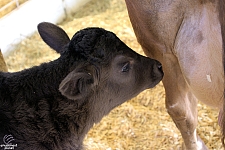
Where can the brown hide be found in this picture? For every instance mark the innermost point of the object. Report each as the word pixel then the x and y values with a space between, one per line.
pixel 185 36
pixel 222 22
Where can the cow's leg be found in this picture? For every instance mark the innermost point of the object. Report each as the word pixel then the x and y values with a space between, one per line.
pixel 196 71
pixel 183 111
pixel 181 104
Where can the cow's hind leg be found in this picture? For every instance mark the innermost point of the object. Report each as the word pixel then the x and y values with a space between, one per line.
pixel 181 105
pixel 184 114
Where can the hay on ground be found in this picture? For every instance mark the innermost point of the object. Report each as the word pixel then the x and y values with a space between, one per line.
pixel 141 123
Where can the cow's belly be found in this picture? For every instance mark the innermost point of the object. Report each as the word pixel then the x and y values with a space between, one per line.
pixel 202 69
pixel 206 84
pixel 198 48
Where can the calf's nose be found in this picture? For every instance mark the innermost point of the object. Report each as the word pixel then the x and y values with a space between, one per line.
pixel 158 66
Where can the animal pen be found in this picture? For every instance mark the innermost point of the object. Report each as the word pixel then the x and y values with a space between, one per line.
pixel 141 123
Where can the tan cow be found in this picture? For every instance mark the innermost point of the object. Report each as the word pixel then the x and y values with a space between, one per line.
pixel 185 36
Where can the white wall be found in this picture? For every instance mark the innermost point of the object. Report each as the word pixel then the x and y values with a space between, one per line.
pixel 23 21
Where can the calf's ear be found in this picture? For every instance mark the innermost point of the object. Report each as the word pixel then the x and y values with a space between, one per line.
pixel 53 36
pixel 76 85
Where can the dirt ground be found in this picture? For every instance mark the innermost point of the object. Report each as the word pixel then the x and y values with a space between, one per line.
pixel 139 124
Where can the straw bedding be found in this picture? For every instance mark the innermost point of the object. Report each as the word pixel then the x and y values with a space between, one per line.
pixel 139 124
pixel 6 6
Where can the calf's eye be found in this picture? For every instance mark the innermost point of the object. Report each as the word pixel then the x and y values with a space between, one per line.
pixel 126 67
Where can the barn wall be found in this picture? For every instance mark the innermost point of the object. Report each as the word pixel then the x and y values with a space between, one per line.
pixel 22 22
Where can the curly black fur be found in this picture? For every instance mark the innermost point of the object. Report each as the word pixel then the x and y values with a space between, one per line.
pixel 33 110
pixel 53 106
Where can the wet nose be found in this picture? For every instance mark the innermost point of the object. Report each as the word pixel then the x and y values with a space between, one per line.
pixel 159 66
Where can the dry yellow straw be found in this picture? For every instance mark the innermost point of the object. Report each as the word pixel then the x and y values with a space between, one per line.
pixel 143 122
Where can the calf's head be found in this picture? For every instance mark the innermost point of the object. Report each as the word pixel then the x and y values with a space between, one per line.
pixel 106 72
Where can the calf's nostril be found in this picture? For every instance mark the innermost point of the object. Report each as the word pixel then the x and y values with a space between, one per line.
pixel 159 66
